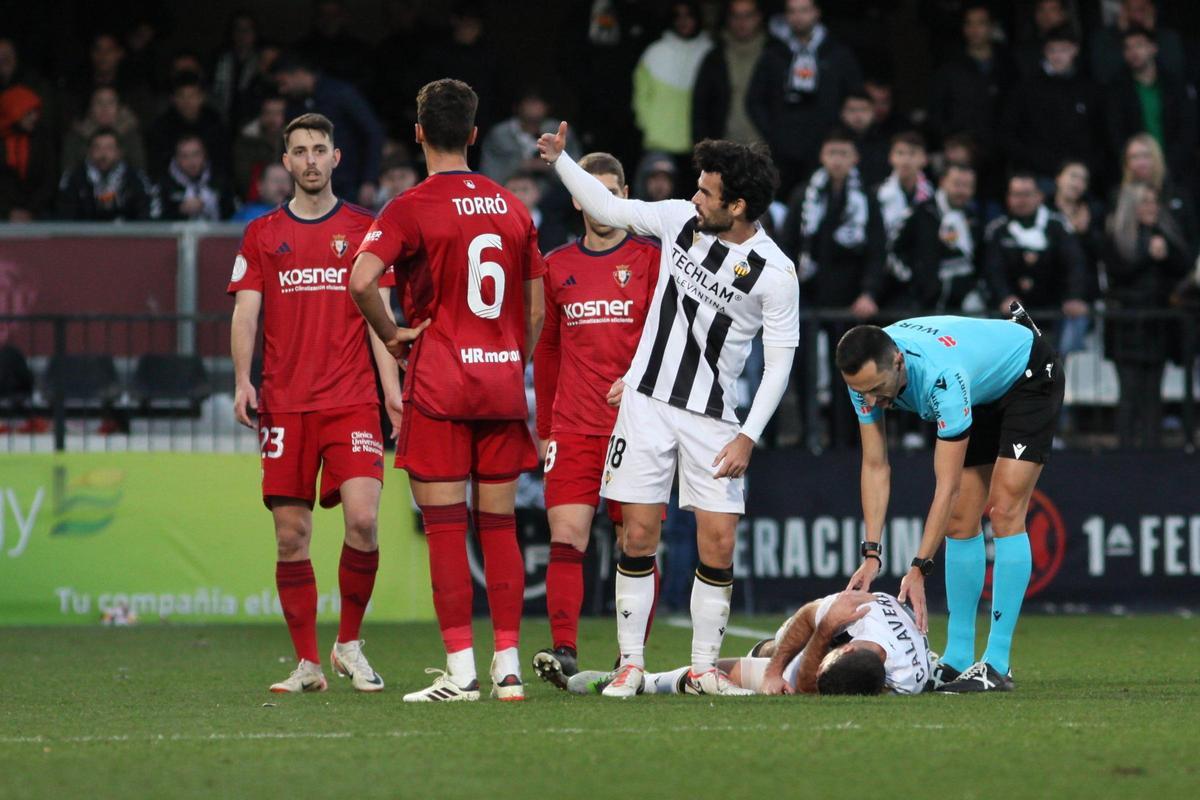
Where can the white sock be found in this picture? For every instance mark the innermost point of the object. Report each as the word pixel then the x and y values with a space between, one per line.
pixel 712 590
pixel 461 666
pixel 506 662
pixel 635 599
pixel 664 682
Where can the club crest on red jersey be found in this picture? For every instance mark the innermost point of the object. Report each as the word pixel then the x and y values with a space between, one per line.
pixel 340 244
pixel 470 183
pixel 622 274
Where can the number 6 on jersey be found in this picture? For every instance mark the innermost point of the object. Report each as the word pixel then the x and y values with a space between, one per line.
pixel 477 270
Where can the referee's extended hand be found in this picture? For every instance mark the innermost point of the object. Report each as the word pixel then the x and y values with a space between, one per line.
pixel 245 400
pixel 734 457
pixel 551 145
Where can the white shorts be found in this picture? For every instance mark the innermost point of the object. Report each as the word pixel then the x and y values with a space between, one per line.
pixel 647 442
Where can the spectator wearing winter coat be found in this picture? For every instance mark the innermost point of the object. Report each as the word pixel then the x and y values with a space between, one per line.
pixel 104 186
pixel 663 82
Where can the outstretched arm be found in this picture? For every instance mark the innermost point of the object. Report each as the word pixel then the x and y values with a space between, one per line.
pixel 602 205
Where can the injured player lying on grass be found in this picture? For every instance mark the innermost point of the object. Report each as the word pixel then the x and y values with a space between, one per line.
pixel 846 643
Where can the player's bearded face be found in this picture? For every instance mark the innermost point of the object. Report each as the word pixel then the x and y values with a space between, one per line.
pixel 712 214
pixel 311 158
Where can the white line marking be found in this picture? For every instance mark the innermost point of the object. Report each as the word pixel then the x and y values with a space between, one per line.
pixel 730 630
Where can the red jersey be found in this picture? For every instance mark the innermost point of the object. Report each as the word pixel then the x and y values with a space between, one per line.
pixel 596 303
pixel 316 353
pixel 462 247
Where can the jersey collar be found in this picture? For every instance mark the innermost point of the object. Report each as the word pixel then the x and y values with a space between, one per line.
pixel 597 253
pixel 287 209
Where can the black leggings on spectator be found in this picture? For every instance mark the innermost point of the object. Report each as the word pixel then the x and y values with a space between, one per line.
pixel 1139 407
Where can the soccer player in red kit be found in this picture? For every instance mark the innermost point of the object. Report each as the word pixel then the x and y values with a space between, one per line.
pixel 318 409
pixel 465 251
pixel 597 292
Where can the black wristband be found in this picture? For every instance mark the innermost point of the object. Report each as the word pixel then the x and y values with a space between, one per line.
pixel 877 558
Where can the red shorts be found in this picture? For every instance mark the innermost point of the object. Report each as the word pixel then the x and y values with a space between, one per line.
pixel 442 450
pixel 341 443
pixel 573 471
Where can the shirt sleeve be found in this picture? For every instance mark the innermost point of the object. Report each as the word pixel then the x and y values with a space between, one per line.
pixel 546 359
pixel 247 269
pixel 661 219
pixel 535 265
pixel 951 402
pixel 781 311
pixel 867 415
pixel 393 237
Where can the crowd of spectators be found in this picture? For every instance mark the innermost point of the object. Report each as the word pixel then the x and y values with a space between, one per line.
pixel 1050 155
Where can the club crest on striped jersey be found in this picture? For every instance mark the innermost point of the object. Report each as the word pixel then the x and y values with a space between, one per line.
pixel 340 244
pixel 622 274
pixel 741 269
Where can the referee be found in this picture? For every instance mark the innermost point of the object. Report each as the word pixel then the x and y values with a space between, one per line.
pixel 994 389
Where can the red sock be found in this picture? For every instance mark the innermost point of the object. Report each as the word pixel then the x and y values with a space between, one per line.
pixel 504 568
pixel 446 534
pixel 564 594
pixel 297 586
pixel 653 608
pixel 356 580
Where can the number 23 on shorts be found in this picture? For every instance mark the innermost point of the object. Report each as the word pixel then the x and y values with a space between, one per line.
pixel 271 442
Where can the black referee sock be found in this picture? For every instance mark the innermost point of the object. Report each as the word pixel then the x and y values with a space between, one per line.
pixel 712 591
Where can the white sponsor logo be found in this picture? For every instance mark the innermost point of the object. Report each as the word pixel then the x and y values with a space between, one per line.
pixel 593 309
pixel 239 268
pixel 1018 449
pixel 477 355
pixel 373 236
pixel 1050 370
pixel 312 279
pixel 365 442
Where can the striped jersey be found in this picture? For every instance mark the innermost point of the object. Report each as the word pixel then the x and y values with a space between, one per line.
pixel 712 298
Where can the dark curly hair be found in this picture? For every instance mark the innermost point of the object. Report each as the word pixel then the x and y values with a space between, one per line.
pixel 856 672
pixel 747 172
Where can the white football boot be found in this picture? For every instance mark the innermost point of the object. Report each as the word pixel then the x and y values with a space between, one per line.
pixel 506 676
pixel 627 681
pixel 712 682
pixel 306 677
pixel 349 662
pixel 443 690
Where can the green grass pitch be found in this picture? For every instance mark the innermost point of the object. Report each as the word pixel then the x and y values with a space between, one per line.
pixel 1105 707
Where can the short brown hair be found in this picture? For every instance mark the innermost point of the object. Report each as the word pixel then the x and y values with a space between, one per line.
pixel 603 164
pixel 910 138
pixel 446 113
pixel 309 122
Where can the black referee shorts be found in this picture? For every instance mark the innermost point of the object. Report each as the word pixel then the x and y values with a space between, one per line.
pixel 1022 423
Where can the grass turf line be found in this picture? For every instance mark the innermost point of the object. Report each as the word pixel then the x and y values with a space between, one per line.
pixel 1103 709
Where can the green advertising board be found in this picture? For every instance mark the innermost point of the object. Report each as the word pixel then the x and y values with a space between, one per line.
pixel 175 536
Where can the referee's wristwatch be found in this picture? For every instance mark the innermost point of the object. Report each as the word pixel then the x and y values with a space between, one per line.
pixel 867 549
pixel 923 564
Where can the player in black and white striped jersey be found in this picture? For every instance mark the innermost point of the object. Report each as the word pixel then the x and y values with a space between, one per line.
pixel 721 280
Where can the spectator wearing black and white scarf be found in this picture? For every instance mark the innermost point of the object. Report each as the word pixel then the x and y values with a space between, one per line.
pixel 189 190
pixel 941 243
pixel 836 233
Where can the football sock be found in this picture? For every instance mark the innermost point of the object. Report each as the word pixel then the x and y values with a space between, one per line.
pixel 635 600
pixel 664 682
pixel 461 666
pixel 450 574
pixel 506 662
pixel 564 594
pixel 711 592
pixel 966 564
pixel 1010 579
pixel 356 580
pixel 504 570
pixel 297 587
pixel 654 605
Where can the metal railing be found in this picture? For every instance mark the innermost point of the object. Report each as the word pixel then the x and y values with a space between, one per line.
pixel 165 382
